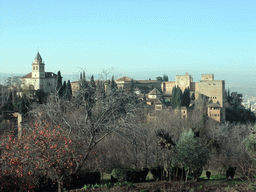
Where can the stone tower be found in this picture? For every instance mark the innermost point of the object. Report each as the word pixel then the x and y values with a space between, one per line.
pixel 38 67
pixel 38 71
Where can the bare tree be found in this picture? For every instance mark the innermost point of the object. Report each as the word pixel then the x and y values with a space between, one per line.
pixel 91 116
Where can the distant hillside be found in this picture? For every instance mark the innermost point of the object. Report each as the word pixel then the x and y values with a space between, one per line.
pixel 4 76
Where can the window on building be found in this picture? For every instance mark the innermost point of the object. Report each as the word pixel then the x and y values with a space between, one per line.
pixel 33 68
pixel 36 67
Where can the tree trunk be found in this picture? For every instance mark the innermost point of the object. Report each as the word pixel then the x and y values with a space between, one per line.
pixel 59 186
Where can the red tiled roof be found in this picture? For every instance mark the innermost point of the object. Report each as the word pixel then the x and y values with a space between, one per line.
pixel 47 75
pixel 154 92
pixel 125 78
pixel 29 75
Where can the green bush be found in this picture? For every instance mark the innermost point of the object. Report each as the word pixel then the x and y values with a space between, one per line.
pixel 121 174
pixel 130 175
pixel 192 153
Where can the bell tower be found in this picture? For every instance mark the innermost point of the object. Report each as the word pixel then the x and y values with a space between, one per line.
pixel 38 70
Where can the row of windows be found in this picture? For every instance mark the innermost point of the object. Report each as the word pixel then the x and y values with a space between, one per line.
pixel 211 97
pixel 214 108
pixel 211 115
pixel 40 67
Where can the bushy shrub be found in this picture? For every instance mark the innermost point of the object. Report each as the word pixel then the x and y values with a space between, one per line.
pixel 191 153
pixel 130 175
pixel 121 174
pixel 157 172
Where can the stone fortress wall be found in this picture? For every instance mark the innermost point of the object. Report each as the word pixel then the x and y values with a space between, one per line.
pixel 207 87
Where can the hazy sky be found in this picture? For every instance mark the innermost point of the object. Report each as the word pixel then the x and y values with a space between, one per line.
pixel 140 39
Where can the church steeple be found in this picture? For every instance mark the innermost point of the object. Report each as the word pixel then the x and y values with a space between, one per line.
pixel 38 57
pixel 38 70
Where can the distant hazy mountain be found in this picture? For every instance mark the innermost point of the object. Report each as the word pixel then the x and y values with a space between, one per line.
pixel 4 76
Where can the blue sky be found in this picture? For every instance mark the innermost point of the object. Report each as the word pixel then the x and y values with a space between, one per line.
pixel 140 39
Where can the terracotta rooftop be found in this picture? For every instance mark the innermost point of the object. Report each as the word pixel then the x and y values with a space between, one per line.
pixel 154 92
pixel 47 75
pixel 125 78
pixel 147 81
pixel 29 75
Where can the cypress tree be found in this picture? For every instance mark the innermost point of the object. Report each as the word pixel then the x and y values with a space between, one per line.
pixel 62 90
pixel 68 91
pixel 113 84
pixel 186 97
pixel 83 78
pixel 165 77
pixel 93 84
pixel 59 81
pixel 176 97
pixel 132 86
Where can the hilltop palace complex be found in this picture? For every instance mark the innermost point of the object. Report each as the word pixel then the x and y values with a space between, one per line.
pixel 207 87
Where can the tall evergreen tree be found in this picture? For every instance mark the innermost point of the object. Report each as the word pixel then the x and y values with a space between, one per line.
pixel 186 97
pixel 81 77
pixel 68 91
pixel 132 86
pixel 176 97
pixel 62 90
pixel 113 84
pixel 59 81
pixel 165 77
pixel 93 84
